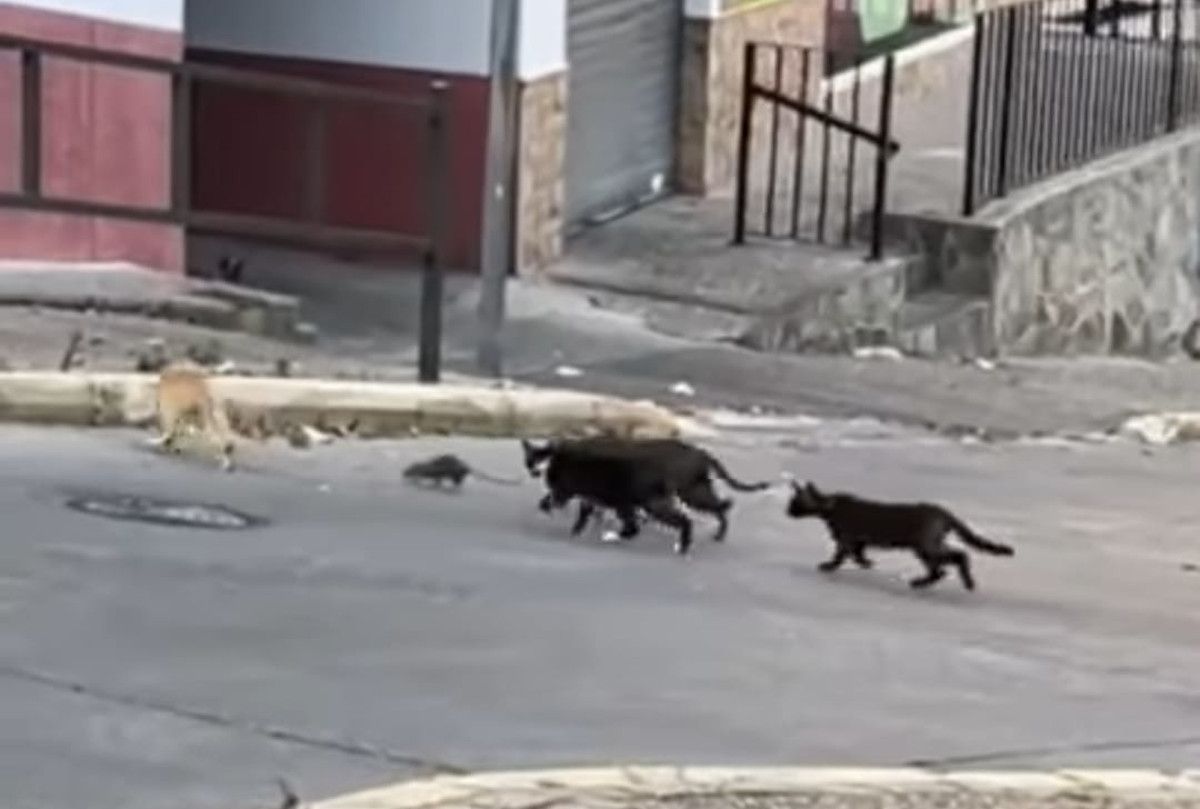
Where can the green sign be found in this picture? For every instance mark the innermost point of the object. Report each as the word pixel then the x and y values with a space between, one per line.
pixel 880 18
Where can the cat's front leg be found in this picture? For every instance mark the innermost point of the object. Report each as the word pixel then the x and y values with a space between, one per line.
pixel 839 558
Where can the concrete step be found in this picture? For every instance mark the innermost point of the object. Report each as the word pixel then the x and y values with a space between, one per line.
pixel 945 324
pixel 853 308
pixel 130 289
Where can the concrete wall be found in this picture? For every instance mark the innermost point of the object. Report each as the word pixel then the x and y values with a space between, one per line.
pixel 106 133
pixel 164 14
pixel 1102 260
pixel 439 36
pixel 447 36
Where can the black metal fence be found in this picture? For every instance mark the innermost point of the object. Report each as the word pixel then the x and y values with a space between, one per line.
pixel 813 153
pixel 1058 83
pixel 310 227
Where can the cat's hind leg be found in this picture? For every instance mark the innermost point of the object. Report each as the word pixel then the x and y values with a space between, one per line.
pixel 702 497
pixel 960 560
pixel 934 574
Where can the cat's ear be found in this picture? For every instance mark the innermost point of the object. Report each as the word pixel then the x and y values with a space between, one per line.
pixel 811 488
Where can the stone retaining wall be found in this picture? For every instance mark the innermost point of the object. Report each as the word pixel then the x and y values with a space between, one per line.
pixel 1102 260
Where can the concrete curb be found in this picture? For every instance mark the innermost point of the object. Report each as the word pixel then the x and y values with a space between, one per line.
pixel 633 786
pixel 368 409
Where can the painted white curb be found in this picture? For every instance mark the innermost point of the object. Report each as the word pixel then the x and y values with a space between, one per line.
pixel 625 786
pixel 376 409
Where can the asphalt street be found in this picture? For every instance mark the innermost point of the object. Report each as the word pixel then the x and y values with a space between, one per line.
pixel 370 632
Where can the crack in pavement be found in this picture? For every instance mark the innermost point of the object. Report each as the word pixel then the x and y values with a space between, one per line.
pixel 1112 746
pixel 276 733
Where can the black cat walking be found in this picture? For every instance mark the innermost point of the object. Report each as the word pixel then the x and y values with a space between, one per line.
pixel 856 524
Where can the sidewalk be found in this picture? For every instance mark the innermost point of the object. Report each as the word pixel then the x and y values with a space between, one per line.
pixel 33 338
pixel 1051 396
pixel 554 338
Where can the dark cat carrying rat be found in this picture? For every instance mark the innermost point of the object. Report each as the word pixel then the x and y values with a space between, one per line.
pixel 613 481
pixel 856 524
pixel 687 469
pixel 448 469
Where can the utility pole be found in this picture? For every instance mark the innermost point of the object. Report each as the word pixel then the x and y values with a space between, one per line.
pixel 499 192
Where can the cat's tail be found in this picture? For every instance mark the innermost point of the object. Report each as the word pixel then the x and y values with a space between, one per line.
pixel 976 541
pixel 724 475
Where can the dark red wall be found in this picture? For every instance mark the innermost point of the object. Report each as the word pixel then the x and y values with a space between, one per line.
pixel 250 150
pixel 105 137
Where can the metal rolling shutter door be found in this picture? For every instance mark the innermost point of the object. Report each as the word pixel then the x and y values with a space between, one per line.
pixel 622 99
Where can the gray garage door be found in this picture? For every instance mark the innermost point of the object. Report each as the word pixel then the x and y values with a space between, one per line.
pixel 624 86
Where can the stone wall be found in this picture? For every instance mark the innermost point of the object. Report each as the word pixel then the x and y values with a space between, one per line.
pixel 711 92
pixel 1102 260
pixel 541 172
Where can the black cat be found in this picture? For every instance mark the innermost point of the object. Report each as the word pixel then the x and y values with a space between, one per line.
pixel 617 482
pixel 686 467
pixel 856 524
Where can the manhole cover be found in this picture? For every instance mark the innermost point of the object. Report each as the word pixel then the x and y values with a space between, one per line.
pixel 164 512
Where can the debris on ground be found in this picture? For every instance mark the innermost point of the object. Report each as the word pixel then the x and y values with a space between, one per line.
pixel 70 355
pixel 568 371
pixel 209 354
pixel 683 389
pixel 290 800
pixel 152 358
pixel 878 353
pixel 304 436
pixel 1161 429
pixel 230 269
